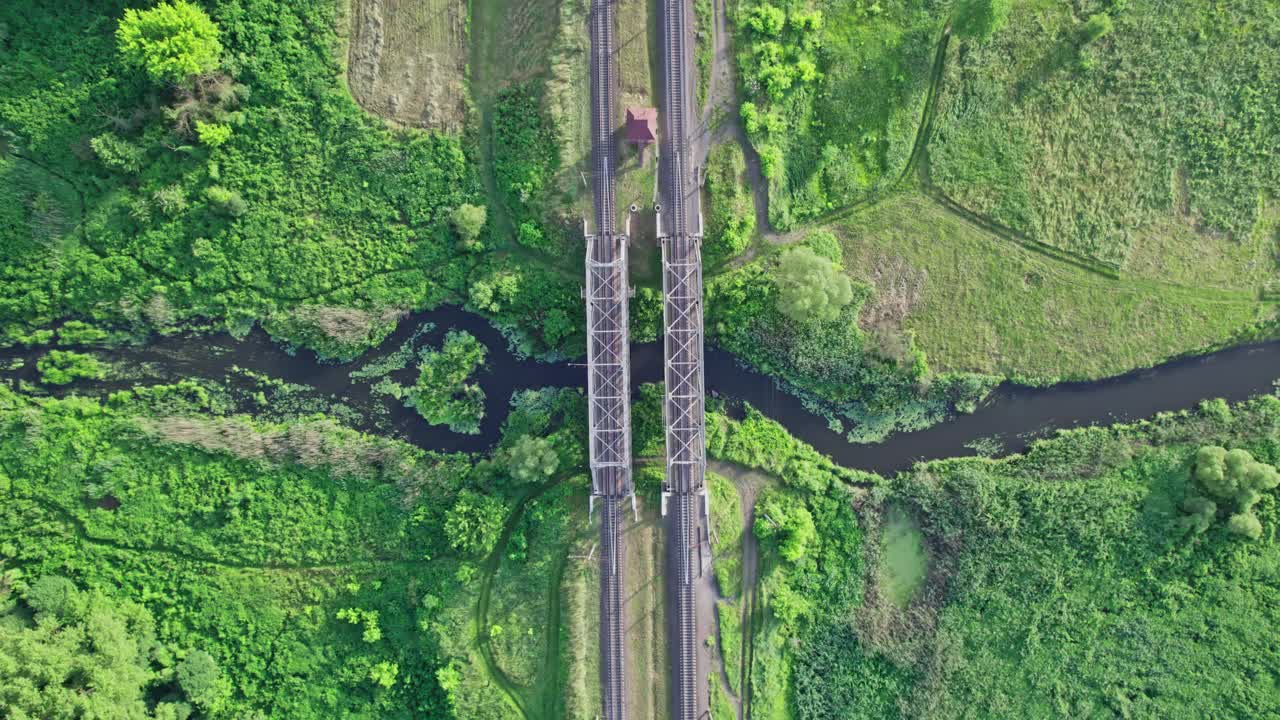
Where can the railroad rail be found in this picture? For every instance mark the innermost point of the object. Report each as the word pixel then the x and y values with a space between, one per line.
pixel 608 366
pixel 683 339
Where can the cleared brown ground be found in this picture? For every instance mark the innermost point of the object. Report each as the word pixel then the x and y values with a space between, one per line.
pixel 407 61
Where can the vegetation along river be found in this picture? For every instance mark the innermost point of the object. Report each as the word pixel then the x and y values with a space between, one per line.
pixel 1011 417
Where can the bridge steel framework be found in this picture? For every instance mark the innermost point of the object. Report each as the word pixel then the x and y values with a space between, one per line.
pixel 608 367
pixel 683 407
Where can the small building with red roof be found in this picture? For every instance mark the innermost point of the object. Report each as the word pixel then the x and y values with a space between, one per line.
pixel 642 124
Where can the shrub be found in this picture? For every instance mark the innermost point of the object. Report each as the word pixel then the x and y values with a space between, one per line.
pixel 62 367
pixel 213 134
pixel 979 19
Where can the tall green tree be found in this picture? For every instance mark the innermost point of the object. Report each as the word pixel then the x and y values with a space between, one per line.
pixel 810 287
pixel 468 221
pixel 202 681
pixel 1233 477
pixel 531 459
pixel 172 41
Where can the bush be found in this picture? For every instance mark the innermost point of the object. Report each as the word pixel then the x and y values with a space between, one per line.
pixel 979 19
pixel 62 367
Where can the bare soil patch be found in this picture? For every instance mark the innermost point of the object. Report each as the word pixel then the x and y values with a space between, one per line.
pixel 407 61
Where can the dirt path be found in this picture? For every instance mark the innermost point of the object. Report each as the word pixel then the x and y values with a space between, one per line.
pixel 719 115
pixel 530 701
pixel 748 483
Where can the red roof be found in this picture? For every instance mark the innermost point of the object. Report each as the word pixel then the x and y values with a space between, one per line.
pixel 640 124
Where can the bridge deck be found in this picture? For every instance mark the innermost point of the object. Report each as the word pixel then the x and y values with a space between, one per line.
pixel 681 231
pixel 608 367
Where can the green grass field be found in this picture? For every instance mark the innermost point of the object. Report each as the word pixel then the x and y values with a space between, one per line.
pixel 989 305
pixel 1161 125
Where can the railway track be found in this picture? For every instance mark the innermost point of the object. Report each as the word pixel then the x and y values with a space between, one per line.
pixel 608 366
pixel 683 374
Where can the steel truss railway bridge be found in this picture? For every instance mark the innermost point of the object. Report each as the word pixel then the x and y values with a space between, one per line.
pixel 608 366
pixel 608 381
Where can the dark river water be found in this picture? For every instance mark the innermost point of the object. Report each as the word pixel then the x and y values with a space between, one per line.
pixel 1012 415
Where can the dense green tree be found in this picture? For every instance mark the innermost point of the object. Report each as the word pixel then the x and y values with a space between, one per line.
pixel 1235 479
pixel 60 367
pixel 1245 525
pixel 531 236
pixel 172 41
pixel 1234 476
pixel 213 134
pixel 979 18
pixel 811 288
pixel 474 522
pixel 57 596
pixel 468 221
pixel 202 681
pixel 82 656
pixel 532 458
pixel 117 153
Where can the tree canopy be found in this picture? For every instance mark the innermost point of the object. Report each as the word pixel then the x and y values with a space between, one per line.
pixel 811 288
pixel 173 41
pixel 202 681
pixel 80 655
pixel 442 394
pixel 1235 479
pixel 468 221
pixel 531 459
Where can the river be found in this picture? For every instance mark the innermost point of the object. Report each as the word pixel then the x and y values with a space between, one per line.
pixel 1012 415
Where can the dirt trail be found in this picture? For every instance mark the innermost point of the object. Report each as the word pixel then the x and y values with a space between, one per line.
pixel 532 702
pixel 719 116
pixel 748 483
